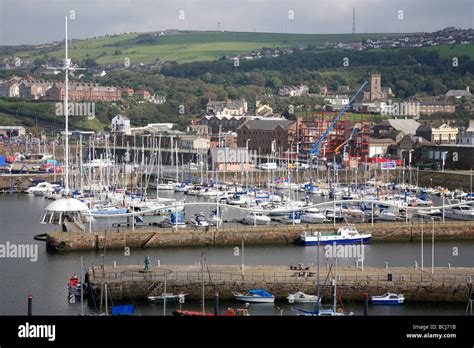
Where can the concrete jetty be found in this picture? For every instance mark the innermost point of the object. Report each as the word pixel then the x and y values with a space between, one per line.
pixel 156 237
pixel 126 282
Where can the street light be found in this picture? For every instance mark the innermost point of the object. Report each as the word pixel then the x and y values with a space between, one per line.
pixel 443 157
pixel 409 157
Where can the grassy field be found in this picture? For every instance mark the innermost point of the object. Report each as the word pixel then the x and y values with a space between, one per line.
pixel 453 51
pixel 185 46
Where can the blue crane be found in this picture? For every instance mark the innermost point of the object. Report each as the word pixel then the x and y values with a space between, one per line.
pixel 315 150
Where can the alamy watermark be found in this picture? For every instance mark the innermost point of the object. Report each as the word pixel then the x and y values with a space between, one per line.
pixel 345 251
pixel 86 109
pixel 235 155
pixel 400 109
pixel 20 251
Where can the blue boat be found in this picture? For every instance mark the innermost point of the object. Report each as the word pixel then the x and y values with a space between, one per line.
pixel 344 235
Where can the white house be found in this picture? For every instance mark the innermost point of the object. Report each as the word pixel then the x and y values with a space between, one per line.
pixel 121 124
pixel 192 142
pixel 467 137
pixel 337 100
pixel 9 90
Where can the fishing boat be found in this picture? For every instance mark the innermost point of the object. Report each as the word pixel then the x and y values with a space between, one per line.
pixel 387 299
pixel 169 297
pixel 254 218
pixel 301 297
pixel 313 216
pixel 254 296
pixel 344 235
pixel 199 220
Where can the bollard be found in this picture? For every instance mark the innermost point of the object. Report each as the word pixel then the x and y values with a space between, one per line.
pixel 30 305
pixel 366 304
pixel 386 265
pixel 158 263
pixel 115 264
pixel 415 266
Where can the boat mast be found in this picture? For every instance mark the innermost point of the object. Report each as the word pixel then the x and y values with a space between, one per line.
pixel 319 292
pixel 66 68
pixel 335 278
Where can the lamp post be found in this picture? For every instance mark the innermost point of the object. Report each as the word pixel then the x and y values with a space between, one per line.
pixel 443 157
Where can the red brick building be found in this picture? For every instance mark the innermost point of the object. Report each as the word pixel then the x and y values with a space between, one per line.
pixel 83 91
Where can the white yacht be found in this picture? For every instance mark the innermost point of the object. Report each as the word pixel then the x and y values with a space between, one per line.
pixel 254 218
pixel 313 216
pixel 460 212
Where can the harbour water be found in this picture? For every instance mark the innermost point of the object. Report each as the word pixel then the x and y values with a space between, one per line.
pixel 46 278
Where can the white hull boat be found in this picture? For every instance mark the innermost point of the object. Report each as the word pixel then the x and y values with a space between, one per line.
pixel 254 296
pixel 256 219
pixel 301 297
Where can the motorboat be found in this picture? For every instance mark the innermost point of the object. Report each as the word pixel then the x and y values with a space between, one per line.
pixel 255 218
pixel 194 191
pixel 182 187
pixel 105 210
pixel 334 214
pixel 313 216
pixel 387 299
pixel 321 312
pixel 301 297
pixel 214 218
pixel 174 220
pixel 209 192
pixel 199 220
pixel 293 218
pixel 460 212
pixel 168 297
pixel 344 235
pixel 169 186
pixel 386 215
pixel 254 296
pixel 42 188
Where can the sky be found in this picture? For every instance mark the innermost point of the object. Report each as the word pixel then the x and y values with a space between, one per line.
pixel 41 21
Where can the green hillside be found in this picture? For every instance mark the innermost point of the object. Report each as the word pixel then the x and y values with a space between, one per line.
pixel 186 46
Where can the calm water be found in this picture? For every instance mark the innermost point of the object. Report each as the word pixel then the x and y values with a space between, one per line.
pixel 46 278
